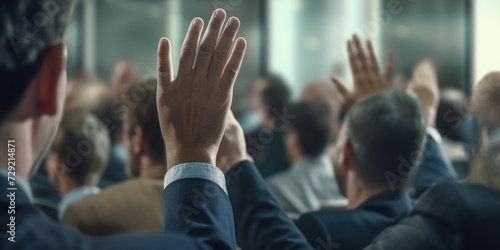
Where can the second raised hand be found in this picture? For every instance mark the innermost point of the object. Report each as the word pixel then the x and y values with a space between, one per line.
pixel 192 107
pixel 365 71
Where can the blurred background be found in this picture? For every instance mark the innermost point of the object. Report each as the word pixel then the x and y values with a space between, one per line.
pixel 300 40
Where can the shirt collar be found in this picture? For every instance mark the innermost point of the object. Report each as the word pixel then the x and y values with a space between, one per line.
pixel 73 196
pixel 21 183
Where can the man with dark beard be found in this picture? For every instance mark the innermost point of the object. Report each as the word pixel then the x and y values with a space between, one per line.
pixel 122 207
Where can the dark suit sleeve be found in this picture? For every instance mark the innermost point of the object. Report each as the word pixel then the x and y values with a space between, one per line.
pixel 259 220
pixel 200 209
pixel 434 166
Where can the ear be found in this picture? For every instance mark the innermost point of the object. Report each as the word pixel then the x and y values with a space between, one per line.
pixel 51 73
pixel 347 154
pixel 137 141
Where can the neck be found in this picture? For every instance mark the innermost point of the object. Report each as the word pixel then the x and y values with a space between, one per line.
pixel 296 156
pixel 20 133
pixel 358 192
pixel 147 163
pixel 67 184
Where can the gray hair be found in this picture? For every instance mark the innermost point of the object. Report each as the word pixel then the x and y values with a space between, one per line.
pixel 385 130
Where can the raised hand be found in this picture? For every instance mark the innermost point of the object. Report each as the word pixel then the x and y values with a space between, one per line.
pixel 365 71
pixel 192 108
pixel 425 85
pixel 232 148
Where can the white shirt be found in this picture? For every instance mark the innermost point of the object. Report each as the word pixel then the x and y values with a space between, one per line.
pixel 307 185
pixel 73 196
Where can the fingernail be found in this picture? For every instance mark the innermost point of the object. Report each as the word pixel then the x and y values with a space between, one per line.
pixel 218 13
pixel 232 22
pixel 196 22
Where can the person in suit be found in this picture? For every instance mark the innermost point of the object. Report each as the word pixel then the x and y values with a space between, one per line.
pixel 77 158
pixel 310 181
pixel 453 215
pixel 119 208
pixel 378 148
pixel 259 219
pixel 32 68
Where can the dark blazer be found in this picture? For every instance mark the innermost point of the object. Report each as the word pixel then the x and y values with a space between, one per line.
pixel 354 229
pixel 268 151
pixel 208 226
pixel 434 166
pixel 259 220
pixel 450 215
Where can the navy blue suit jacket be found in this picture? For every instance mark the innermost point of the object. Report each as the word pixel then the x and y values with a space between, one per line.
pixel 434 166
pixel 259 220
pixel 354 229
pixel 209 225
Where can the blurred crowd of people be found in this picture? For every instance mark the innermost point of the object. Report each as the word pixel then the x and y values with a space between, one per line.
pixel 382 165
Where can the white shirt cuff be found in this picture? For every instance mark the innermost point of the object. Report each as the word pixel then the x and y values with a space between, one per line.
pixel 195 170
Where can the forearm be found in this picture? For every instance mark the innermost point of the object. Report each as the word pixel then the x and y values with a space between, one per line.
pixel 259 220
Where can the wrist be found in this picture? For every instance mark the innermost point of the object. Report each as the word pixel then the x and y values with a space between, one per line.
pixel 183 156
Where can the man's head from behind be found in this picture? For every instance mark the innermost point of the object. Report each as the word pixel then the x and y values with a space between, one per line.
pixel 145 142
pixel 79 153
pixel 381 142
pixel 309 131
pixel 32 69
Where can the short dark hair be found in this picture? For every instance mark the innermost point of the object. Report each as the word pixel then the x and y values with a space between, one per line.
pixel 82 142
pixel 276 95
pixel 144 114
pixel 312 124
pixel 110 118
pixel 28 29
pixel 384 130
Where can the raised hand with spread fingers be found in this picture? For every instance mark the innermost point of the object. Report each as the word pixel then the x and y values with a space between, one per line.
pixel 365 71
pixel 193 106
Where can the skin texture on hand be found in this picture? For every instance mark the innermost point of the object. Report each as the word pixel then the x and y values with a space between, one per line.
pixel 367 77
pixel 192 108
pixel 425 86
pixel 232 148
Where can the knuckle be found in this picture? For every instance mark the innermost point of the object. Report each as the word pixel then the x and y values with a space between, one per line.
pixel 187 51
pixel 205 48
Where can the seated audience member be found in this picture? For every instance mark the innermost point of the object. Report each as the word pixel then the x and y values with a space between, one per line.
pixel 310 181
pixel 377 132
pixel 32 89
pixel 486 103
pixel 453 215
pixel 77 158
pixel 326 92
pixel 115 169
pixel 122 207
pixel 435 164
pixel 267 145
